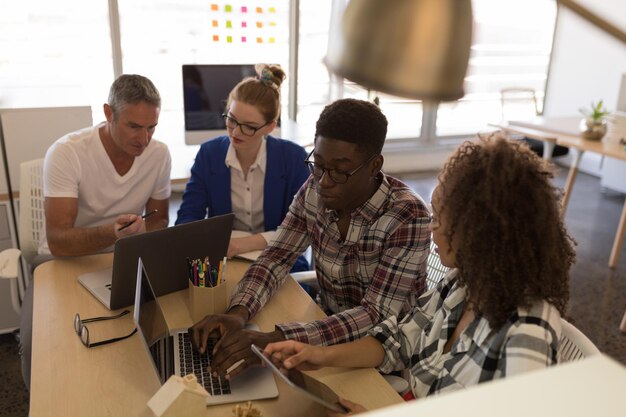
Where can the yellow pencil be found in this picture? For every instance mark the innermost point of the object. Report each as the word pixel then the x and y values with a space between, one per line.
pixel 219 274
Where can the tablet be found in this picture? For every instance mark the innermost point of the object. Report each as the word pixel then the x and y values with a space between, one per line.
pixel 312 388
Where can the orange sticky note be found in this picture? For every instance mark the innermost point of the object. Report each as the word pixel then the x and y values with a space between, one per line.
pixel 216 38
pixel 259 10
pixel 215 24
pixel 259 40
pixel 259 24
pixel 214 7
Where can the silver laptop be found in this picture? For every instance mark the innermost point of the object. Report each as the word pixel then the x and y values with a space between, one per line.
pixel 165 253
pixel 172 354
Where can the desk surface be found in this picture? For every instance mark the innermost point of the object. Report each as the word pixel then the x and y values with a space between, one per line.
pixel 117 379
pixel 563 131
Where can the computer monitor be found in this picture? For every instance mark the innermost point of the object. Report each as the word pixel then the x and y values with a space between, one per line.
pixel 205 92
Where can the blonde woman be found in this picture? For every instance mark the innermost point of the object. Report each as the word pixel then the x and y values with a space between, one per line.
pixel 248 173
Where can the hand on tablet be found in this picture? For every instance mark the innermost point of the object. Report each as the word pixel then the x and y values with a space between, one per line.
pixel 291 354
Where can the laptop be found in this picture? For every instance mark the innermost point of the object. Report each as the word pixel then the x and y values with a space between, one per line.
pixel 172 354
pixel 165 253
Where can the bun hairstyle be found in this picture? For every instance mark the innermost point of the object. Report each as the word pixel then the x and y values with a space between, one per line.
pixel 261 91
pixel 270 75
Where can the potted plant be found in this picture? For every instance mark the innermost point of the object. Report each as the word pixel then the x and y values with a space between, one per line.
pixel 593 126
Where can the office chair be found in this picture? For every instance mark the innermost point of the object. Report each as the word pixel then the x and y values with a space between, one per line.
pixel 521 103
pixel 435 271
pixel 574 345
pixel 9 267
pixel 32 219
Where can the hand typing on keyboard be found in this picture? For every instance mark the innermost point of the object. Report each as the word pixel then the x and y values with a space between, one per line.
pixel 232 353
pixel 194 362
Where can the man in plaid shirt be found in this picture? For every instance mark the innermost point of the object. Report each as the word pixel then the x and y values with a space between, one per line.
pixel 369 237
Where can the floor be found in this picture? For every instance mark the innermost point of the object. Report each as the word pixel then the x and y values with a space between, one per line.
pixel 597 300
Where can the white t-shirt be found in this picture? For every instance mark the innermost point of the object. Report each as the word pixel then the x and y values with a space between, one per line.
pixel 77 166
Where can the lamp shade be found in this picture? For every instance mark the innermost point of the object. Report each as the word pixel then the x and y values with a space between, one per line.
pixel 410 48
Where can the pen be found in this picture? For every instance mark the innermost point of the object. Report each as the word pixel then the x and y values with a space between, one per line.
pixel 143 217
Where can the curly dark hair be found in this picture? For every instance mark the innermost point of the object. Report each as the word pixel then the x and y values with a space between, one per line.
pixel 512 247
pixel 355 121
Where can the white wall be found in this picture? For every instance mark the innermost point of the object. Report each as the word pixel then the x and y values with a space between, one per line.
pixel 27 134
pixel 587 63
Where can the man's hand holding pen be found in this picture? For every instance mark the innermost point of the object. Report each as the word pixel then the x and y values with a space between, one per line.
pixel 131 224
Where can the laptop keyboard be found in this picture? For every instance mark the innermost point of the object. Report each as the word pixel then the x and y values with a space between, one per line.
pixel 193 362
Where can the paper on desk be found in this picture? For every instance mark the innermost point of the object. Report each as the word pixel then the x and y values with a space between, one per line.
pixel 250 256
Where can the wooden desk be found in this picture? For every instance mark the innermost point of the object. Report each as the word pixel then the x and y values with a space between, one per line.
pixel 562 130
pixel 69 379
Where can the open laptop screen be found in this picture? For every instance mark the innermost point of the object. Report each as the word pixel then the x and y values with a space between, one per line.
pixel 152 325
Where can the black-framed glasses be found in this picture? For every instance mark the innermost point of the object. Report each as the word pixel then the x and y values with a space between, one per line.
pixel 338 177
pixel 83 332
pixel 247 130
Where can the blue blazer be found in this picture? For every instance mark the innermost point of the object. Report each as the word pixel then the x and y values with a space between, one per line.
pixel 208 190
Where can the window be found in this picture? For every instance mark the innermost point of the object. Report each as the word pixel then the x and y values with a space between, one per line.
pixel 511 48
pixel 59 54
pixel 159 36
pixel 54 54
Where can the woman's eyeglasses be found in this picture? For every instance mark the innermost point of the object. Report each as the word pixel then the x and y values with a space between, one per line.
pixel 83 332
pixel 247 130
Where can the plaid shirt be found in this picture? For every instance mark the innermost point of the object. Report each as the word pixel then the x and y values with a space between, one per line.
pixel 378 271
pixel 527 341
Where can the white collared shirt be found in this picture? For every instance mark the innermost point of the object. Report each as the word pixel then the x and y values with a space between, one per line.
pixel 246 193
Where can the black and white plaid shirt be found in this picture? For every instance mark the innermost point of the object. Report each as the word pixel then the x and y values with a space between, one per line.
pixel 527 341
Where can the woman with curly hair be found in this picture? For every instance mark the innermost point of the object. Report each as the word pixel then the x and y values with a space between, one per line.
pixel 497 313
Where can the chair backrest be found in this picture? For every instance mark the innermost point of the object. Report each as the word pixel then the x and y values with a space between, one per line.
pixel 574 345
pixel 435 271
pixel 519 103
pixel 31 217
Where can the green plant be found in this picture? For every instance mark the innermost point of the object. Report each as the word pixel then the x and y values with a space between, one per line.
pixel 597 112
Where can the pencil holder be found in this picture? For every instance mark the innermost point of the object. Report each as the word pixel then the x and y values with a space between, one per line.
pixel 207 300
